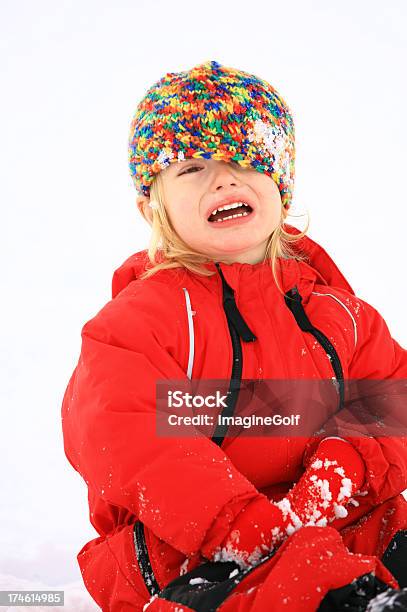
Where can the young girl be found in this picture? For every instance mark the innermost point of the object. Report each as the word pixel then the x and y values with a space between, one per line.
pixel 228 290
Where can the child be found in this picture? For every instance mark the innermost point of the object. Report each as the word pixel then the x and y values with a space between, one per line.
pixel 233 292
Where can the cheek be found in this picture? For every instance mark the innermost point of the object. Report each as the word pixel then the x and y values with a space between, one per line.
pixel 181 217
pixel 271 194
pixel 271 207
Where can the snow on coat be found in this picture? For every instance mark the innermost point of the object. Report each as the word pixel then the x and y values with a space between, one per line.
pixel 185 492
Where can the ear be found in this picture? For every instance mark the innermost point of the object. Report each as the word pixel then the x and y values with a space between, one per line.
pixel 143 204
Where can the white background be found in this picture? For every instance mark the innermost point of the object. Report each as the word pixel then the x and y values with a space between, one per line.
pixel 72 75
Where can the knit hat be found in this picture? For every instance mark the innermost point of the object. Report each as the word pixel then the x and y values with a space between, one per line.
pixel 213 112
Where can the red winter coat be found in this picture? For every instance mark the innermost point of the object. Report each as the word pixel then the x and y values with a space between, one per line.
pixel 156 501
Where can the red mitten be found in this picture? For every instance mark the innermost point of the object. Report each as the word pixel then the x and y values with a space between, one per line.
pixel 256 530
pixel 334 473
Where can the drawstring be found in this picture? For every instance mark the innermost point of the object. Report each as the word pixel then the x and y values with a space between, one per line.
pixel 232 311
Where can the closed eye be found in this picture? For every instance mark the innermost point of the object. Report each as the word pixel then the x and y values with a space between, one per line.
pixel 190 168
pixel 186 171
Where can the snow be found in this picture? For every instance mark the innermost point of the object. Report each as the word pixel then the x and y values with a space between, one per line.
pixel 199 580
pixel 285 506
pixel 319 496
pixel 345 490
pixel 328 463
pixel 233 573
pixel 276 533
pixel 318 463
pixel 324 491
pixel 383 601
pixel 340 511
pixel 244 560
pixel 274 141
pixel 290 529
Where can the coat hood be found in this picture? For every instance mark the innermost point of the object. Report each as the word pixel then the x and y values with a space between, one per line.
pixel 319 262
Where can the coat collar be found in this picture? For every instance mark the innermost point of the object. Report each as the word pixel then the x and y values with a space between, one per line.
pixel 319 268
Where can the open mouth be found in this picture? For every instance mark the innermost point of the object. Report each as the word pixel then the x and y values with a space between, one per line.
pixel 231 212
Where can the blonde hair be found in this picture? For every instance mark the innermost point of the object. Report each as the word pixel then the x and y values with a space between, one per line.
pixel 178 254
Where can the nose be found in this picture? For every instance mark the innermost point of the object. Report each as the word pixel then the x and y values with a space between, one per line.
pixel 225 176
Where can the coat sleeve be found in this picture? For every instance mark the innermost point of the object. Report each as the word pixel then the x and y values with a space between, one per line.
pixel 377 374
pixel 185 489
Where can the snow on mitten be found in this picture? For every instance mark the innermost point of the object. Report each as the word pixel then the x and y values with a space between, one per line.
pixel 334 473
pixel 256 530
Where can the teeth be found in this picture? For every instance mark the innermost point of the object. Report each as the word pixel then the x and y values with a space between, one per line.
pixel 229 206
pixel 232 217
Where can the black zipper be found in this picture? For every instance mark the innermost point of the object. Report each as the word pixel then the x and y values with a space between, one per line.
pixel 238 328
pixel 143 559
pixel 293 300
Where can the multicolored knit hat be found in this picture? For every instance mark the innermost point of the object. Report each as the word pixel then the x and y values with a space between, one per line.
pixel 213 112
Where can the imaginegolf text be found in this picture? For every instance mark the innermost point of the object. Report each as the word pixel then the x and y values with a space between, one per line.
pixel 239 421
